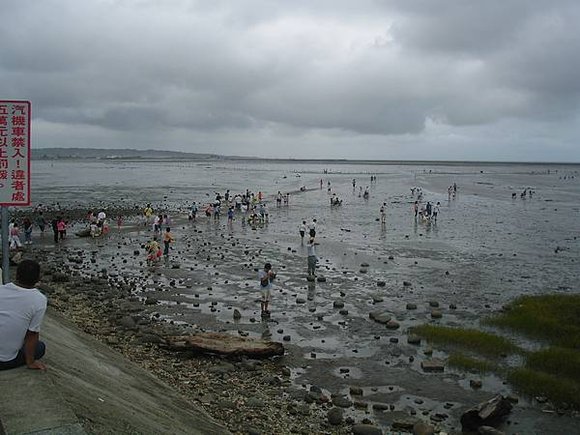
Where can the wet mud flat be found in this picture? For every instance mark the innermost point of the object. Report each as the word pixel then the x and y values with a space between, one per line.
pixel 347 332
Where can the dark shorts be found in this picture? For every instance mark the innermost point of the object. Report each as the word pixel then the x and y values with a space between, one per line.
pixel 20 360
pixel 312 233
pixel 301 233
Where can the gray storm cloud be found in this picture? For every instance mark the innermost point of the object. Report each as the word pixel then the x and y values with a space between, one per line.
pixel 376 74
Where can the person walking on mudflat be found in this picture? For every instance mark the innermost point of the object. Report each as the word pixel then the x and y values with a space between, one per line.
pixel 266 276
pixel 22 309
pixel 302 231
pixel 167 241
pixel 312 259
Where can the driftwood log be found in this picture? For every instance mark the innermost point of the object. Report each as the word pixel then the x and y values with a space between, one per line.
pixel 224 344
pixel 489 413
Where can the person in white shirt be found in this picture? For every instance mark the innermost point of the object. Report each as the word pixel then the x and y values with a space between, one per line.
pixel 22 309
pixel 312 259
pixel 302 231
pixel 436 210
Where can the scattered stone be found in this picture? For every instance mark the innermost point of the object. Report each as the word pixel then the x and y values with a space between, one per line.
pixel 411 306
pixel 335 416
pixel 434 365
pixel 422 428
pixel 434 304
pixel 366 429
pixel 436 314
pixel 338 304
pixel 393 340
pixel 488 430
pixel 475 383
pixel 237 314
pixel 402 422
pixel 381 283
pixel 300 300
pixel 321 279
pixel 414 339
pixel 356 391
pixel 380 317
pixel 489 413
pixel 359 404
pixel 393 324
pixel 407 284
pixel 341 401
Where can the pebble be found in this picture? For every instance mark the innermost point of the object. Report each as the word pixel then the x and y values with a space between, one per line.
pixel 366 429
pixel 338 304
pixel 356 391
pixel 335 416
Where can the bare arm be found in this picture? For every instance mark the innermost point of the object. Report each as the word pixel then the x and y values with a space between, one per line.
pixel 30 341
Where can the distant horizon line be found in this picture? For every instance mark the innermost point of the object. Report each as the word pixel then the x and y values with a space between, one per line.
pixel 293 159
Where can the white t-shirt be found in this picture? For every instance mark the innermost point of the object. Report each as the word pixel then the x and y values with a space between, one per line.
pixel 21 310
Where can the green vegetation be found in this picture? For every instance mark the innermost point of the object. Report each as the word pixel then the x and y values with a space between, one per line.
pixel 471 339
pixel 556 361
pixel 553 372
pixel 555 318
pixel 534 383
pixel 465 362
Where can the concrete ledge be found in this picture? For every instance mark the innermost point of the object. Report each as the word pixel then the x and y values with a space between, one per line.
pixel 31 403
pixel 90 388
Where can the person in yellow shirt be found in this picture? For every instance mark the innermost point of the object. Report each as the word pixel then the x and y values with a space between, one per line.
pixel 153 250
pixel 167 240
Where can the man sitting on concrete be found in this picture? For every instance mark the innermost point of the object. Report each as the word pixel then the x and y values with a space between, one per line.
pixel 22 309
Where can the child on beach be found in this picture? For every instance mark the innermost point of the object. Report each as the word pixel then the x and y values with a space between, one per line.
pixel 61 227
pixel 153 250
pixel 14 234
pixel 266 276
pixel 167 240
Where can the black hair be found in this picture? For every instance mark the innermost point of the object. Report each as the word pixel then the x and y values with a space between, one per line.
pixel 28 272
pixel 267 266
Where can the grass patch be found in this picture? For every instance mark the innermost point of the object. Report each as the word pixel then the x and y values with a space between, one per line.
pixel 465 362
pixel 556 361
pixel 558 390
pixel 555 318
pixel 471 339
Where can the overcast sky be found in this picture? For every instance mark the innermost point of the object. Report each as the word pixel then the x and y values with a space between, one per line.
pixel 407 79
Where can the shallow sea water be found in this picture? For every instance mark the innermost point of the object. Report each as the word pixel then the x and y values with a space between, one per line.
pixel 485 250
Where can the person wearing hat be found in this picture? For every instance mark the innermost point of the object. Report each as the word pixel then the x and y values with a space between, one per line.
pixel 22 309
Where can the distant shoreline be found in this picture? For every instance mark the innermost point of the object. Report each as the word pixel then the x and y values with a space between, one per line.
pixel 167 156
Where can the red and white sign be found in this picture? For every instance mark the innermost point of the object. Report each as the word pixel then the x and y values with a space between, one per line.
pixel 14 152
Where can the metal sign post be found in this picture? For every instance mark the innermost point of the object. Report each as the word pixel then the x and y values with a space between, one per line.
pixel 14 166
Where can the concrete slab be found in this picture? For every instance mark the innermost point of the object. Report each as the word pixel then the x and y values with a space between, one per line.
pixel 89 383
pixel 32 403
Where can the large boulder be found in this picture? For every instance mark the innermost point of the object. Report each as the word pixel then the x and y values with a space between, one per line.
pixel 489 413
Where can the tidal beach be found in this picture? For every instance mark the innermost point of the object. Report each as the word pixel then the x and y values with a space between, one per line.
pixel 485 249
